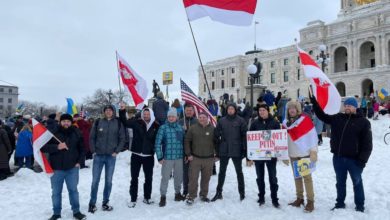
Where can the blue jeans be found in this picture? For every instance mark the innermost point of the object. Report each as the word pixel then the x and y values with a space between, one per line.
pixel 343 166
pixel 71 178
pixel 100 161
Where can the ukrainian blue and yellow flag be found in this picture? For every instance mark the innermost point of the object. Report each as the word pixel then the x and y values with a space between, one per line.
pixel 383 93
pixel 72 109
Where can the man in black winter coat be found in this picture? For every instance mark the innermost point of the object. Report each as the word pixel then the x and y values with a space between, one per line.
pixel 230 134
pixel 266 121
pixel 351 145
pixel 65 158
pixel 142 148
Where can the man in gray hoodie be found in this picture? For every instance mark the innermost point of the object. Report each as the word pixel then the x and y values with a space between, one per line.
pixel 107 138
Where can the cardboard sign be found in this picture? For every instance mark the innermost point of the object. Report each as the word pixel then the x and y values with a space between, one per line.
pixel 303 167
pixel 263 145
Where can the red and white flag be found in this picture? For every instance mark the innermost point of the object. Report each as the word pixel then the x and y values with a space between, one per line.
pixel 302 132
pixel 324 90
pixel 40 137
pixel 232 12
pixel 134 83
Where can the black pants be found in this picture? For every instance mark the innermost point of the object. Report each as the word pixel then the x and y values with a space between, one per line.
pixel 319 138
pixel 147 164
pixel 273 180
pixel 237 161
pixel 185 177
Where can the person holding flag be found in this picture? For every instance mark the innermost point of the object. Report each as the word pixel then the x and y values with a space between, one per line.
pixel 65 158
pixel 351 145
pixel 302 143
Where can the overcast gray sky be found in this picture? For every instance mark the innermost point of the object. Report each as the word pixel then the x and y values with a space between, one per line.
pixel 66 48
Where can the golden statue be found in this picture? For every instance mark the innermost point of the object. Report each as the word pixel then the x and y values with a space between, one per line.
pixel 363 2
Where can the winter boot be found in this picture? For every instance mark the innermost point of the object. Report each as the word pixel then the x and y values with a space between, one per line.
pixel 179 197
pixel 261 201
pixel 163 201
pixel 309 206
pixel 297 203
pixel 338 206
pixel 242 196
pixel 190 201
pixel 79 216
pixel 55 217
pixel 359 208
pixel 92 209
pixel 217 196
pixel 148 201
pixel 276 204
pixel 107 207
pixel 204 199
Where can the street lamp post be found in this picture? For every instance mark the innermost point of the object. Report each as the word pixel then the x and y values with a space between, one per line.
pixel 109 93
pixel 252 69
pixel 323 58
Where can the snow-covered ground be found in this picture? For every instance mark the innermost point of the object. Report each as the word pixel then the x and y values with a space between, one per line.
pixel 28 194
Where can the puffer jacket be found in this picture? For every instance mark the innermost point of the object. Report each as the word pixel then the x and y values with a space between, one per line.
pixel 169 142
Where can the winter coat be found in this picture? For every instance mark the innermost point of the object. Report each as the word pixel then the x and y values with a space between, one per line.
pixel 281 106
pixel 199 141
pixel 318 124
pixel 65 159
pixel 51 125
pixel 169 142
pixel 107 136
pixel 144 138
pixel 351 134
pixel 24 146
pixel 85 128
pixel 5 149
pixel 376 107
pixel 230 135
pixel 160 109
pixel 188 122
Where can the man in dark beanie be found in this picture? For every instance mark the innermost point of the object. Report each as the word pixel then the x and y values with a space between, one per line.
pixel 107 139
pixel 65 160
pixel 351 145
pixel 230 135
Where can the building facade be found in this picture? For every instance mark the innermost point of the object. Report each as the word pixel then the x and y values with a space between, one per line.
pixel 8 100
pixel 357 44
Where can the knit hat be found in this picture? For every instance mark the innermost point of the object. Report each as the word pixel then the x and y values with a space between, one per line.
pixel 265 106
pixel 66 117
pixel 351 101
pixel 172 112
pixel 295 104
pixel 108 107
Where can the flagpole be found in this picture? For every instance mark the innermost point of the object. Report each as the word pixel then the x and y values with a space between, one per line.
pixel 119 77
pixel 200 60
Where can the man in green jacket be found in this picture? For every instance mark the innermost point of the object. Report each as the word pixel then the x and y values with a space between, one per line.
pixel 200 151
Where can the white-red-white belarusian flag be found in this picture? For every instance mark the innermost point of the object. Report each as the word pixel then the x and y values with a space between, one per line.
pixel 40 137
pixel 232 12
pixel 134 83
pixel 302 132
pixel 324 90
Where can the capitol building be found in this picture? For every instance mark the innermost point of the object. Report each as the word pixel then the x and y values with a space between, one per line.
pixel 356 44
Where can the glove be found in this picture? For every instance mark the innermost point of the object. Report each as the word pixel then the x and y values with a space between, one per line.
pixel 286 162
pixel 360 164
pixel 313 156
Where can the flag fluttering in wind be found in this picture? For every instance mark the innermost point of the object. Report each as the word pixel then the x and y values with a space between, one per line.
pixel 134 83
pixel 232 12
pixel 383 93
pixel 72 109
pixel 40 137
pixel 20 108
pixel 188 96
pixel 324 90
pixel 302 132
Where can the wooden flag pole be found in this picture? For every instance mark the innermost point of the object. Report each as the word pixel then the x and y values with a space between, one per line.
pixel 119 77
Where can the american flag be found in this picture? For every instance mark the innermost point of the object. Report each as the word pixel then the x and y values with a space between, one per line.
pixel 189 96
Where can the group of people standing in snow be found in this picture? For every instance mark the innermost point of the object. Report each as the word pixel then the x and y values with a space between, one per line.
pixel 187 146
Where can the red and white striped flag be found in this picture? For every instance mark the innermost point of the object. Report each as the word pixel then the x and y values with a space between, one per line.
pixel 134 83
pixel 40 137
pixel 232 12
pixel 189 96
pixel 324 90
pixel 302 132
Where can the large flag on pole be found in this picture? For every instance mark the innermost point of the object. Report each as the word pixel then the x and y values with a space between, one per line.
pixel 232 12
pixel 189 96
pixel 324 90
pixel 134 83
pixel 40 137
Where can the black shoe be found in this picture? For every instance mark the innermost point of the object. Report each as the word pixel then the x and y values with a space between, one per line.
pixel 204 199
pixel 55 217
pixel 179 197
pixel 261 201
pixel 92 209
pixel 338 207
pixel 359 209
pixel 242 197
pixel 163 201
pixel 276 204
pixel 148 201
pixel 79 216
pixel 217 196
pixel 107 207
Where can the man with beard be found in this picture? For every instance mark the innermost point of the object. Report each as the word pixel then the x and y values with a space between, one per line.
pixel 65 158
